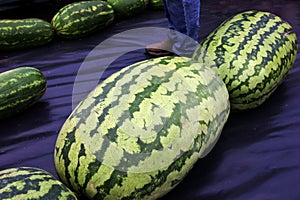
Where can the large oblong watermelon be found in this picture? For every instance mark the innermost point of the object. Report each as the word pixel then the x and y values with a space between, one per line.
pixel 142 129
pixel 253 52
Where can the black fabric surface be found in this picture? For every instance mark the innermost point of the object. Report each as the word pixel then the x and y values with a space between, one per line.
pixel 256 157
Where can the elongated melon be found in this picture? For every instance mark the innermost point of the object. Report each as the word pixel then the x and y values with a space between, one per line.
pixel 24 33
pixel 253 52
pixel 142 129
pixel 82 18
pixel 20 88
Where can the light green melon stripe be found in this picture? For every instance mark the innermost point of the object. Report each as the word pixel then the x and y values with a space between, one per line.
pixel 116 103
pixel 66 157
pixel 249 68
pixel 15 25
pixel 76 119
pixel 18 79
pixel 124 86
pixel 78 11
pixel 159 184
pixel 222 108
pixel 20 87
pixel 111 81
pixel 92 21
pixel 270 70
pixel 160 176
pixel 25 183
pixel 238 22
pixel 155 180
pixel 238 82
pixel 81 19
pixel 117 114
pixel 12 99
pixel 24 33
pixel 95 98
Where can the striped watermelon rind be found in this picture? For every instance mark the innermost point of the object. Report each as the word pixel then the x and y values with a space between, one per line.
pixel 82 18
pixel 18 34
pixel 32 183
pixel 253 52
pixel 142 129
pixel 20 88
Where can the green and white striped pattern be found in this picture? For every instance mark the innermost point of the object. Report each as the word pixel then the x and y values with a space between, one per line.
pixel 128 8
pixel 19 89
pixel 253 52
pixel 82 18
pixel 27 183
pixel 142 129
pixel 24 33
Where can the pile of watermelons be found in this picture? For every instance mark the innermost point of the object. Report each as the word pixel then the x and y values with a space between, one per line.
pixel 73 20
pixel 142 129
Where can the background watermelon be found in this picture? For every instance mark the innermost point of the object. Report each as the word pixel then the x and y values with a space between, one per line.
pixel 32 183
pixel 128 8
pixel 20 88
pixel 82 18
pixel 24 33
pixel 253 52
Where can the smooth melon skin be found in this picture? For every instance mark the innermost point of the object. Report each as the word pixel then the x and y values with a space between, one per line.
pixel 82 18
pixel 29 183
pixel 20 88
pixel 253 52
pixel 16 34
pixel 141 130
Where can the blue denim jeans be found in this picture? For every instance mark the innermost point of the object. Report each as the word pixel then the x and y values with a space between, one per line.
pixel 183 21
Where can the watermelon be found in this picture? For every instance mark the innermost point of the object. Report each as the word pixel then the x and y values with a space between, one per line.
pixel 24 33
pixel 128 8
pixel 82 18
pixel 141 130
pixel 20 88
pixel 253 52
pixel 29 183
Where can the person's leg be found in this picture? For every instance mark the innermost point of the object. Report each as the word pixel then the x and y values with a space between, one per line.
pixel 183 22
pixel 165 47
pixel 175 14
pixel 192 18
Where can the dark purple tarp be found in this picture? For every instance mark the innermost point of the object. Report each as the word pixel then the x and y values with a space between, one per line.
pixel 256 157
